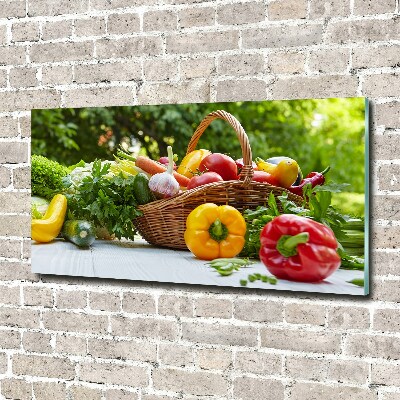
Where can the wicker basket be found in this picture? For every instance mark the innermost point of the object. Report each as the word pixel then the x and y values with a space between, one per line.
pixel 164 221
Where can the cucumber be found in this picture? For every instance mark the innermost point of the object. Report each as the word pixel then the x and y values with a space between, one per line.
pixel 141 189
pixel 79 232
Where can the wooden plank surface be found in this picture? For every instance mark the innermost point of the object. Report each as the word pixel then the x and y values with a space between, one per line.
pixel 140 261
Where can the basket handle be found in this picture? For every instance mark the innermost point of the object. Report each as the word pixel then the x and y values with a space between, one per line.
pixel 247 171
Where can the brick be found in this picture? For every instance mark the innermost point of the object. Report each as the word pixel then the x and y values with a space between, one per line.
pixel 38 296
pixel 56 7
pixel 297 340
pixel 191 17
pixel 16 389
pixel 157 397
pixel 26 248
pixel 281 10
pixel 5 177
pixel 214 308
pixel 282 36
pixel 12 271
pixel 9 295
pixel 94 26
pixel 385 263
pixel 23 77
pixel 114 4
pixel 3 78
pixel 128 47
pixel 254 89
pixel 175 355
pixel 15 202
pixel 316 391
pixel 25 126
pixel 385 207
pixel 14 225
pixel 314 87
pixel 329 61
pixel 123 349
pixel 25 31
pixel 160 69
pixel 348 317
pixel 305 314
pixel 104 301
pixel 258 389
pixel 203 42
pixel 193 91
pixel 71 299
pixel 12 8
pixel 49 390
pixel 115 374
pixel 389 177
pixel 85 393
pixel 258 310
pixel 48 367
pixel 70 345
pixel 346 371
pixel 138 303
pixel 108 72
pixel 382 85
pixel 388 114
pixel 366 30
pixel 197 67
pixel 75 322
pixel 385 237
pixel 57 52
pixel 159 21
pixel 13 152
pixel 57 75
pixel 307 368
pixel 385 374
pixel 21 178
pixel 372 346
pixel 10 248
pixel 56 30
pixel 376 57
pixel 241 13
pixel 329 8
pixel 144 328
pixel 390 396
pixel 26 100
pixel 257 362
pixel 8 127
pixel 383 146
pixel 99 97
pixel 12 55
pixel 386 320
pixel 368 7
pixel 37 342
pixel 10 339
pixel 241 64
pixel 119 24
pixel 3 363
pixel 195 383
pixel 214 359
pixel 121 394
pixel 386 291
pixel 228 335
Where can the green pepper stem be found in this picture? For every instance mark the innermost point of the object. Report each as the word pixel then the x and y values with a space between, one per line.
pixel 287 244
pixel 218 231
pixel 325 170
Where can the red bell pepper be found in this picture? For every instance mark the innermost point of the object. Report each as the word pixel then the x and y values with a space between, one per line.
pixel 299 249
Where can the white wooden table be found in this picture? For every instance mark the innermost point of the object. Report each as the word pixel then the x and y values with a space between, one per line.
pixel 139 261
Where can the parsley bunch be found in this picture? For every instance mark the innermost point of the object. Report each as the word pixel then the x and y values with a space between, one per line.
pixel 106 200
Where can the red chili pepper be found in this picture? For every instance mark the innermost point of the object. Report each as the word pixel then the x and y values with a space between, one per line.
pixel 315 178
pixel 299 249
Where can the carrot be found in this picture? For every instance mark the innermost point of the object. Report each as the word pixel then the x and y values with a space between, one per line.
pixel 153 167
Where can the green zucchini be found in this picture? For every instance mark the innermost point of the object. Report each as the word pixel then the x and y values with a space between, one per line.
pixel 79 232
pixel 141 189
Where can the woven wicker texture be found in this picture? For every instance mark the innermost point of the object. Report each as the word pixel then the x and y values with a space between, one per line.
pixel 164 221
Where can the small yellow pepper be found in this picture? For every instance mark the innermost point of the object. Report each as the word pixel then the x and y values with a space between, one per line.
pixel 285 171
pixel 191 162
pixel 215 231
pixel 47 228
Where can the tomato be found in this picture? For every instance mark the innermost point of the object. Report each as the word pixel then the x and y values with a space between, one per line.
pixel 200 180
pixel 265 177
pixel 221 164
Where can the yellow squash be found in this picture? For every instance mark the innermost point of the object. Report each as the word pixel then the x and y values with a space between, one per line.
pixel 215 231
pixel 191 162
pixel 46 229
pixel 285 171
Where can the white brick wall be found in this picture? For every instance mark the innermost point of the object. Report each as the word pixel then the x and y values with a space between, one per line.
pixel 78 338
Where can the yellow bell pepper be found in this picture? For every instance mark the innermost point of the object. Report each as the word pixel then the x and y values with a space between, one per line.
pixel 215 231
pixel 191 162
pixel 285 171
pixel 47 228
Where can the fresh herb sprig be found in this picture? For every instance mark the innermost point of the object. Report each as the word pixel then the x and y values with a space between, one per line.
pixel 227 266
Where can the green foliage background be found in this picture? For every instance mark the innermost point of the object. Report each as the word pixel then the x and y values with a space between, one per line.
pixel 314 132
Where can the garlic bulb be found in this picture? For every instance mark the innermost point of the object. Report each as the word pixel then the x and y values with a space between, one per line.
pixel 164 184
